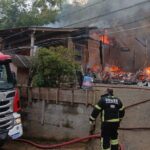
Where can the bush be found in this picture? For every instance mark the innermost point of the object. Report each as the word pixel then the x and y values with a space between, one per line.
pixel 53 66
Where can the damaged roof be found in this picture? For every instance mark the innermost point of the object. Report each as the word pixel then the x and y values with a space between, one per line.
pixel 21 61
pixel 8 33
pixel 12 39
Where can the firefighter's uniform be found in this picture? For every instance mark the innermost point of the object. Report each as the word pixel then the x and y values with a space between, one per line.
pixel 112 112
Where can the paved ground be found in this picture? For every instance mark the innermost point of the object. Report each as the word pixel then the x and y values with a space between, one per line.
pixel 12 145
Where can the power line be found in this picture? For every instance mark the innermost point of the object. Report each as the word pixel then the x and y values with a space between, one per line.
pixel 137 20
pixel 15 34
pixel 51 42
pixel 109 28
pixel 85 35
pixel 145 18
pixel 81 37
pixel 108 13
pixel 81 9
pixel 131 29
pixel 94 17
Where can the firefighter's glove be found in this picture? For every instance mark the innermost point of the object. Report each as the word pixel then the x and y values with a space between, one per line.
pixel 92 127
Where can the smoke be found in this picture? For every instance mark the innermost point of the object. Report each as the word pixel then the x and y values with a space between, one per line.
pixel 102 13
pixel 67 10
pixel 126 21
pixel 56 24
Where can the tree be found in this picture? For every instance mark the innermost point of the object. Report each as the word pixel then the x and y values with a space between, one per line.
pixel 19 13
pixel 53 66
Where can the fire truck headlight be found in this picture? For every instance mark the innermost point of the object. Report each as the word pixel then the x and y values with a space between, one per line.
pixel 17 120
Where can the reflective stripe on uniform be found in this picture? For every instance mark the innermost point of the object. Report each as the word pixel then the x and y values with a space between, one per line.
pixel 102 145
pixel 91 122
pixel 121 108
pixel 111 96
pixel 120 119
pixel 103 116
pixel 97 107
pixel 113 120
pixel 114 142
pixel 101 142
pixel 92 118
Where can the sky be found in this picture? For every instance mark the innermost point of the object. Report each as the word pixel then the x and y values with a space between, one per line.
pixel 81 1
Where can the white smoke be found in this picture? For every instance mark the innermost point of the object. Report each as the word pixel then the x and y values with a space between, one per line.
pixel 56 24
pixel 102 13
pixel 117 15
pixel 68 8
pixel 126 20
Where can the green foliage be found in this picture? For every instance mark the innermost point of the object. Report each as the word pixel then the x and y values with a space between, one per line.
pixel 19 13
pixel 53 66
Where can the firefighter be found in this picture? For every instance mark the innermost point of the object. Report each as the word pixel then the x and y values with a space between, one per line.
pixel 112 111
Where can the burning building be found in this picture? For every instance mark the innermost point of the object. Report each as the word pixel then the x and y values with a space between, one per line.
pixel 126 41
pixel 101 52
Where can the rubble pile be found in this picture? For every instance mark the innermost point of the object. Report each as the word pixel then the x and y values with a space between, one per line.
pixel 115 75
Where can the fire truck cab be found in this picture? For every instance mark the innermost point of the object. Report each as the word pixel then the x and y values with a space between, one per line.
pixel 10 119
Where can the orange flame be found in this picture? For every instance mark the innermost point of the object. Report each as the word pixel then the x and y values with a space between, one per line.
pixel 147 70
pixel 104 39
pixel 95 68
pixel 115 69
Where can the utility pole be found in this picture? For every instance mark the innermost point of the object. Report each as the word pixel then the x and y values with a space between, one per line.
pixel 146 53
pixel 101 54
pixel 32 43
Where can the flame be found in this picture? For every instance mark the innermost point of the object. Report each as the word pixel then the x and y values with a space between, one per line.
pixel 147 70
pixel 104 39
pixel 113 69
pixel 144 75
pixel 95 68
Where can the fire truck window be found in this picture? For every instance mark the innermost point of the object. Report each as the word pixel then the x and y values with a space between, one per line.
pixel 3 74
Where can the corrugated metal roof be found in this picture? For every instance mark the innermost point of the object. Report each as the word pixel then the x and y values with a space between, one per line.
pixel 8 33
pixel 21 61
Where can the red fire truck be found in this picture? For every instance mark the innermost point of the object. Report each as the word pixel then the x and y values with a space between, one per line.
pixel 10 121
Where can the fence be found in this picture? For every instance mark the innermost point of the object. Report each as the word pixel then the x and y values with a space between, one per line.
pixel 68 95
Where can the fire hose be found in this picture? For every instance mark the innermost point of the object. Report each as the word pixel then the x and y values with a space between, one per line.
pixel 62 144
pixel 95 136
pixel 78 140
pixel 65 143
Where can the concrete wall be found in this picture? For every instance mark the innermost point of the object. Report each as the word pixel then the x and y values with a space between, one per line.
pixel 65 121
pixel 60 121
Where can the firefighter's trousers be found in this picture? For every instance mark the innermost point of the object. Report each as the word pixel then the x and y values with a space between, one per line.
pixel 109 136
